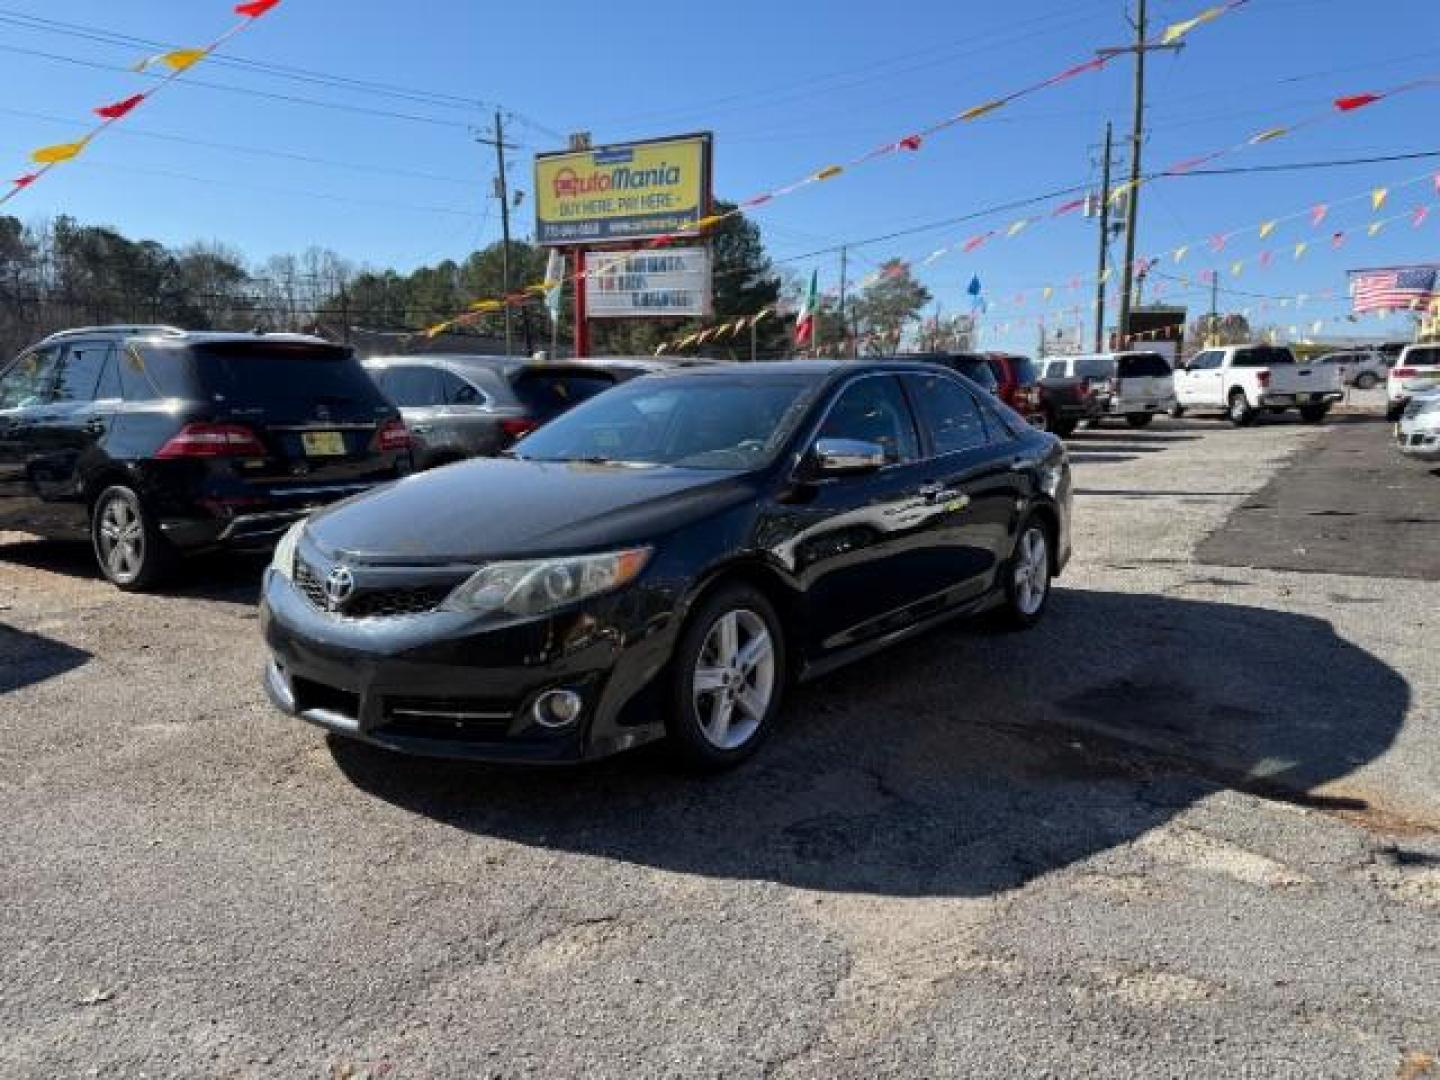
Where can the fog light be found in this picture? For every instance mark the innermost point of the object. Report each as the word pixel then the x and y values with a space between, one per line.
pixel 557 708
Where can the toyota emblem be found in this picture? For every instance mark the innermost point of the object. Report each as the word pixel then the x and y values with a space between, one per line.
pixel 339 584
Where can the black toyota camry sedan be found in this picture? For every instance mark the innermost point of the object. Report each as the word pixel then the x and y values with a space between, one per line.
pixel 663 560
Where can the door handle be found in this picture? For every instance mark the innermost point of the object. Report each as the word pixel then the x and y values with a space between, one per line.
pixel 420 429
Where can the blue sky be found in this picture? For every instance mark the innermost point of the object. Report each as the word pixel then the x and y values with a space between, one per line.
pixel 785 88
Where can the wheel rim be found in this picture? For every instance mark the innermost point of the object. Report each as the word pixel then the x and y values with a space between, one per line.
pixel 734 679
pixel 1237 407
pixel 121 538
pixel 1032 571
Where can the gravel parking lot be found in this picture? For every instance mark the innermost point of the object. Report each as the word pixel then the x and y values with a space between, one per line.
pixel 1190 826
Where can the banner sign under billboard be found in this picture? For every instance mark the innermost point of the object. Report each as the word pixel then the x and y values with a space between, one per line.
pixel 633 191
pixel 673 283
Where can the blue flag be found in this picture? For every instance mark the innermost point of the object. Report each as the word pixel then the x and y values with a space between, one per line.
pixel 974 290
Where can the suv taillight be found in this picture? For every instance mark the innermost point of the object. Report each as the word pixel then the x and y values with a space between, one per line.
pixel 212 440
pixel 1403 372
pixel 517 426
pixel 1262 377
pixel 393 435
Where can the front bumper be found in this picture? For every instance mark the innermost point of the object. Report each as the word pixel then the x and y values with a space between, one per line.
pixel 445 684
pixel 1290 401
pixel 1418 442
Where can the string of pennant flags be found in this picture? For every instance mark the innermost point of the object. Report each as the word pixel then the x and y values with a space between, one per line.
pixel 910 143
pixel 1316 214
pixel 175 61
pixel 1339 108
pixel 719 332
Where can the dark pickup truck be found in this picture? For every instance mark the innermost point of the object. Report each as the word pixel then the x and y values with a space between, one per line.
pixel 1064 402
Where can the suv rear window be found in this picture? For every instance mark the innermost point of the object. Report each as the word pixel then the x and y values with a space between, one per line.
pixel 1423 357
pixel 1143 365
pixel 547 393
pixel 1024 369
pixel 1095 367
pixel 283 376
pixel 1262 356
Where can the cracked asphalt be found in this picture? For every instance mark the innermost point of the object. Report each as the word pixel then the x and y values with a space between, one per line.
pixel 1190 826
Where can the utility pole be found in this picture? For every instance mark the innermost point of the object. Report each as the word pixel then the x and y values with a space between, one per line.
pixel 502 192
pixel 844 265
pixel 1214 310
pixel 1137 140
pixel 1104 242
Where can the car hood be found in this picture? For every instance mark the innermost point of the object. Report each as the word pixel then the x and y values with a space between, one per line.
pixel 502 507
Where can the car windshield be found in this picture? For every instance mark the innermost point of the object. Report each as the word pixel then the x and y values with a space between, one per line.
pixel 709 422
pixel 1095 367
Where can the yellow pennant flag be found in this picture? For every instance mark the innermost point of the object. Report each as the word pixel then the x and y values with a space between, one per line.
pixel 1378 197
pixel 1237 267
pixel 762 313
pixel 1018 226
pixel 1122 190
pixel 1267 229
pixel 176 60
pixel 710 222
pixel 1047 292
pixel 980 110
pixel 1105 275
pixel 1175 31
pixel 438 329
pixel 1268 134
pixel 1300 249
pixel 660 349
pixel 829 171
pixel 1180 253
pixel 1375 227
pixel 51 155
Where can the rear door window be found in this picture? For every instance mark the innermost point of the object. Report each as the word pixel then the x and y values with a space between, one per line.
pixel 456 391
pixel 413 387
pixel 1143 365
pixel 80 368
pixel 948 412
pixel 29 379
pixel 1423 357
pixel 549 393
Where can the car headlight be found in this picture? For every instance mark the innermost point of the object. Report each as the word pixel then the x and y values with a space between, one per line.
pixel 535 586
pixel 283 561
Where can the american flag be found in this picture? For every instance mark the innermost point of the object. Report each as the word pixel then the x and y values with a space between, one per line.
pixel 1396 289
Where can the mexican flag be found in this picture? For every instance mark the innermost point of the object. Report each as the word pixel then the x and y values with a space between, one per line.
pixel 805 321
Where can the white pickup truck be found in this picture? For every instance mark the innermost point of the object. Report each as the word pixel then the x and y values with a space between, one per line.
pixel 1243 381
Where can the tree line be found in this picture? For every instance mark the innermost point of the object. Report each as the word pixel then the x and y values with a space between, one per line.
pixel 61 273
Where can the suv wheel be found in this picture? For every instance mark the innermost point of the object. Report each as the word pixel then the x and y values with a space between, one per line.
pixel 132 553
pixel 1366 380
pixel 1239 411
pixel 729 673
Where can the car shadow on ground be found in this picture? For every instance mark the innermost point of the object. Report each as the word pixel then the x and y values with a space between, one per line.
pixel 966 762
pixel 26 658
pixel 231 577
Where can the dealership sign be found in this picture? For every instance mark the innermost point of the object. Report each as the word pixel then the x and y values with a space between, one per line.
pixel 673 283
pixel 633 191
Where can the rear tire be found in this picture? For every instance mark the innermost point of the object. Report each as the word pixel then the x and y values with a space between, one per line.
pixel 727 679
pixel 1313 414
pixel 1239 410
pixel 1177 411
pixel 1028 576
pixel 1139 420
pixel 130 549
pixel 1394 412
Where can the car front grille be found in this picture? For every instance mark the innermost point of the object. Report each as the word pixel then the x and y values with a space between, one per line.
pixel 364 603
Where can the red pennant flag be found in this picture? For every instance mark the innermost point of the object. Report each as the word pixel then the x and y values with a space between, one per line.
pixel 975 241
pixel 758 200
pixel 1358 101
pixel 1217 242
pixel 1337 241
pixel 1265 257
pixel 1074 283
pixel 1418 217
pixel 119 108
pixel 1078 69
pixel 1437 182
pixel 910 142
pixel 1317 215
pixel 1069 207
pixel 255 8
pixel 26 180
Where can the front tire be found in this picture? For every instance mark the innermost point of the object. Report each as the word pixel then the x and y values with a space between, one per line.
pixel 727 680
pixel 1139 420
pixel 1028 576
pixel 1313 414
pixel 132 552
pixel 1239 410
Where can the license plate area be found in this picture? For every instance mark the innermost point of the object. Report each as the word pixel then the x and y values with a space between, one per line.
pixel 323 443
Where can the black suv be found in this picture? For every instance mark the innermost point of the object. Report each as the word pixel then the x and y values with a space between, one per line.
pixel 156 441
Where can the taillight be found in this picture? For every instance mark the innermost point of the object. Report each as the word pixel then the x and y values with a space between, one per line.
pixel 212 440
pixel 393 435
pixel 516 426
pixel 1262 377
pixel 1404 372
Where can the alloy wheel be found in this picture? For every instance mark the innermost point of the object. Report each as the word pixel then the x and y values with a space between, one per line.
pixel 733 682
pixel 1032 571
pixel 121 539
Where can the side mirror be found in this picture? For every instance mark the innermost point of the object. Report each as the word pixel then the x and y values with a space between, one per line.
pixel 846 457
